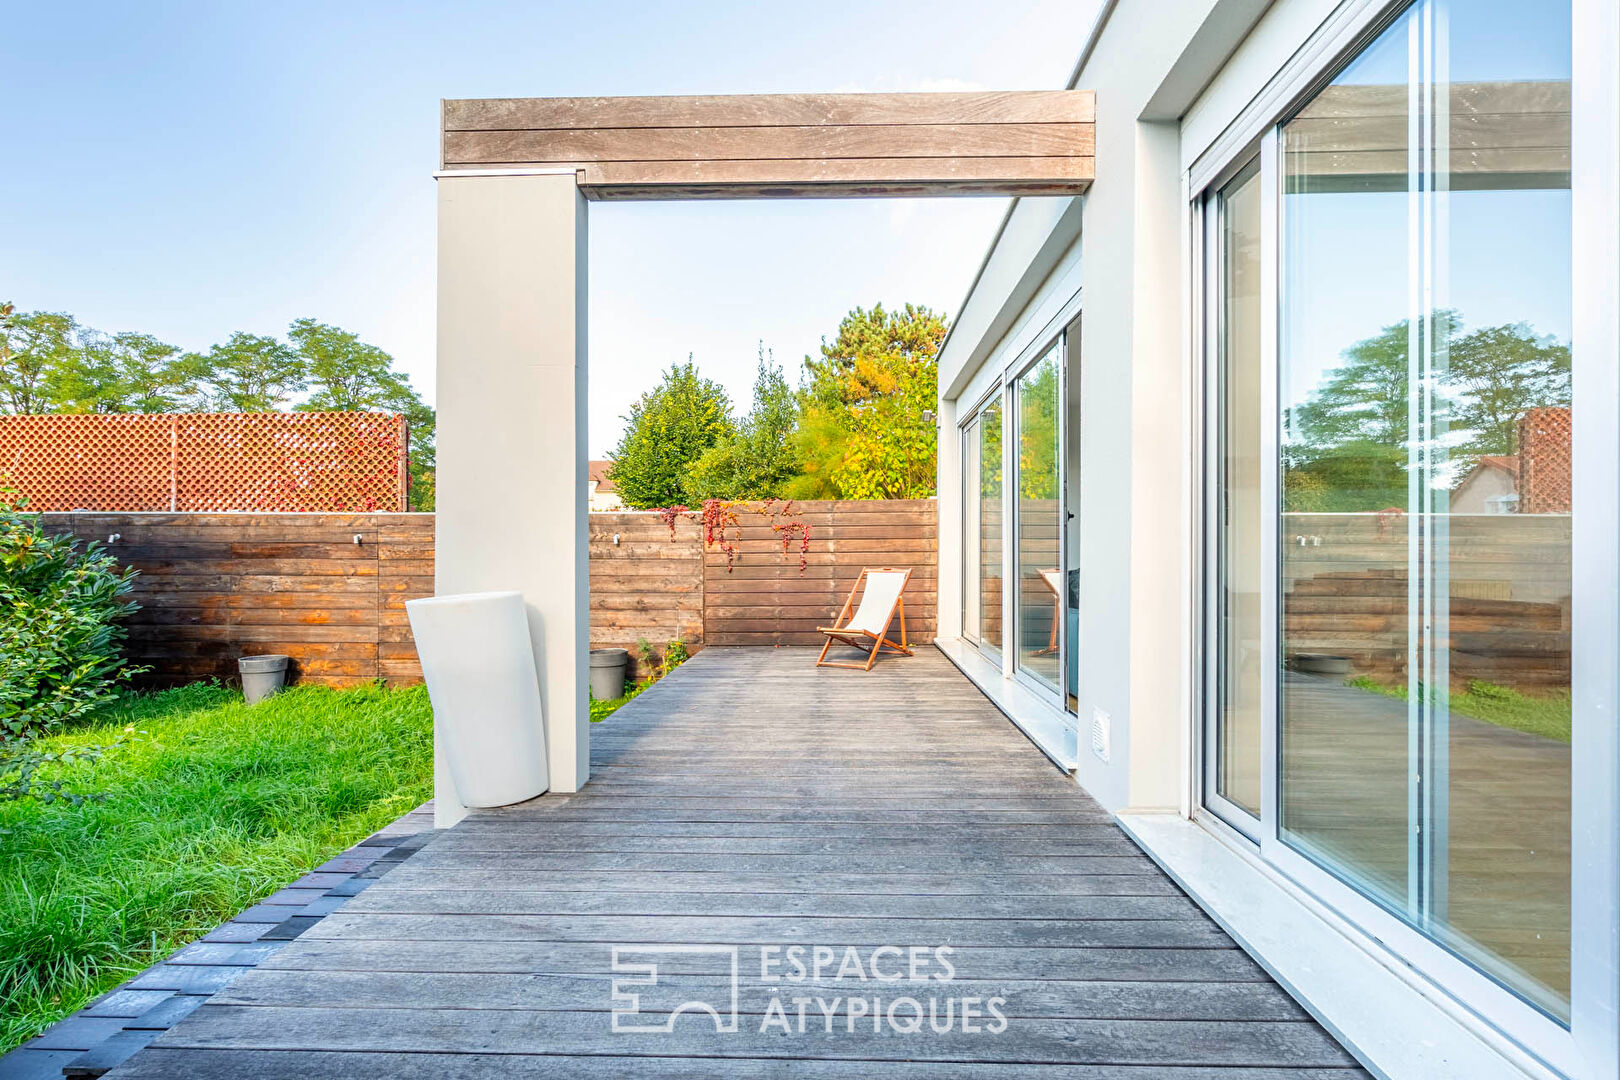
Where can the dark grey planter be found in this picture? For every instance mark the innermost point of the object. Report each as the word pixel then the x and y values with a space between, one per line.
pixel 607 673
pixel 262 676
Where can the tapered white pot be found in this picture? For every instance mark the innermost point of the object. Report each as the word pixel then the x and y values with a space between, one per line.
pixel 478 664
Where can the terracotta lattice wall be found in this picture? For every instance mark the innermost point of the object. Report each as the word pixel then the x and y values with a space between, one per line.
pixel 1545 454
pixel 254 462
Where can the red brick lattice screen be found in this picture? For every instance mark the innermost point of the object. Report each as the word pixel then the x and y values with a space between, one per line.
pixel 165 462
pixel 1545 453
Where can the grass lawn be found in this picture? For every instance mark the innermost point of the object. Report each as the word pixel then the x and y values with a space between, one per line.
pixel 213 806
pixel 601 710
pixel 1549 716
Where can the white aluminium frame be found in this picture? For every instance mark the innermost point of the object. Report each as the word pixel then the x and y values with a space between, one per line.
pixel 974 422
pixel 1208 256
pixel 1589 1048
pixel 1055 346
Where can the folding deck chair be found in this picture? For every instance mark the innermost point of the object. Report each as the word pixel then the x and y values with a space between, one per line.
pixel 870 625
pixel 1054 581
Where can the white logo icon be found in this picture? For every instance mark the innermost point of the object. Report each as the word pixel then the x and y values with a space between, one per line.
pixel 627 1002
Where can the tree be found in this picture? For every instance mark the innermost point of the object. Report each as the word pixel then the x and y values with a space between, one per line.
pixel 758 460
pixel 51 363
pixel 668 429
pixel 344 374
pixel 35 346
pixel 1347 447
pixel 1038 406
pixel 1499 372
pixel 124 373
pixel 249 373
pixel 867 431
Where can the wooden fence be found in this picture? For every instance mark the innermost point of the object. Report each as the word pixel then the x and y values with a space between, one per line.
pixel 1508 577
pixel 329 590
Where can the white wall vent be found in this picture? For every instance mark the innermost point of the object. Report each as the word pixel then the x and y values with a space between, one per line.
pixel 1101 732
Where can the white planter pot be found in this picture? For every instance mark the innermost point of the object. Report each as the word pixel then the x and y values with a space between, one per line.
pixel 478 664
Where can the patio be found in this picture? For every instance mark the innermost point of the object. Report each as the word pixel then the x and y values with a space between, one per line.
pixel 751 799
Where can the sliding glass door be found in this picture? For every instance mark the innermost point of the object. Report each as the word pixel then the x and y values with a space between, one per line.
pixel 982 514
pixel 1040 609
pixel 1391 624
pixel 1237 676
pixel 1015 520
pixel 1426 483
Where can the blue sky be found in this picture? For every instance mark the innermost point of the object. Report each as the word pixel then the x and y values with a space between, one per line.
pixel 189 169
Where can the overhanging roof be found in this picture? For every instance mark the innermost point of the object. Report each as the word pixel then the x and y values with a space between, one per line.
pixel 1038 142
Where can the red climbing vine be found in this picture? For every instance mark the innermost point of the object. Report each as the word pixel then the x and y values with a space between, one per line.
pixel 719 520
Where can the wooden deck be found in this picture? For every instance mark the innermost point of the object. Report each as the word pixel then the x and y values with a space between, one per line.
pixel 749 800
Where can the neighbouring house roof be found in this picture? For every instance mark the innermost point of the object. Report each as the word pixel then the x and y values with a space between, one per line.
pixel 1508 463
pixel 1541 470
pixel 599 473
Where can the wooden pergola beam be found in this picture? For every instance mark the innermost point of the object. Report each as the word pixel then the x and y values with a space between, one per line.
pixel 786 145
pixel 1499 135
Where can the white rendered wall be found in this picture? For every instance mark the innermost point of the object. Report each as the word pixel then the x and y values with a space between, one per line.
pixel 511 423
pixel 1133 486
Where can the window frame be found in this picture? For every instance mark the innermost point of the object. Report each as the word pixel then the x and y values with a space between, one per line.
pixel 1055 347
pixel 994 394
pixel 1590 1045
pixel 1209 253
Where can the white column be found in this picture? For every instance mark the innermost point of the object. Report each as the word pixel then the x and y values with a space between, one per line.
pixel 512 463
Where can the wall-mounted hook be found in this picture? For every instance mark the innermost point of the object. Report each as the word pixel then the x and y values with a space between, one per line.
pixel 358 539
pixel 113 539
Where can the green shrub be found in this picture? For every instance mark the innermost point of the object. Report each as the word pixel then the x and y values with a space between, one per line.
pixel 675 655
pixel 61 644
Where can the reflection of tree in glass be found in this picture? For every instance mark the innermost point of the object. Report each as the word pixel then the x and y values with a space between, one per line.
pixel 990 452
pixel 1037 431
pixel 1346 448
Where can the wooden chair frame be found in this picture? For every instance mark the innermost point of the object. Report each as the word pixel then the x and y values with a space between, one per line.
pixel 837 631
pixel 1057 615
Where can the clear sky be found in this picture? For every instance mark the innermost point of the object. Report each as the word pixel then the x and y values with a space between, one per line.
pixel 189 169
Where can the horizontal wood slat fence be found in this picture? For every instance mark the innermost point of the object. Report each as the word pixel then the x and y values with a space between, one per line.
pixel 215 587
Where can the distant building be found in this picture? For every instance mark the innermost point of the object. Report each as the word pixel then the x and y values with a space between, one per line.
pixel 599 490
pixel 1491 487
pixel 1536 480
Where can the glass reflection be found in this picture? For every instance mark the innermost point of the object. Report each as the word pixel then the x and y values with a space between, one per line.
pixel 1240 677
pixel 1040 520
pixel 989 515
pixel 1426 482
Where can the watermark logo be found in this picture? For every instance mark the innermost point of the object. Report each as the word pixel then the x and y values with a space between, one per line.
pixel 720 1004
pixel 801 990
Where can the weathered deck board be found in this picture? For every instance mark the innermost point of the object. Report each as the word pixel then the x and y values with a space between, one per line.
pixel 753 800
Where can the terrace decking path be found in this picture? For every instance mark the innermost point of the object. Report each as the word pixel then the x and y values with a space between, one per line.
pixel 752 800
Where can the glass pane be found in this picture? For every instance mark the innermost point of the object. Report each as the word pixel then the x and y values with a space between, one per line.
pixel 1240 678
pixel 970 530
pixel 1426 449
pixel 990 516
pixel 1040 513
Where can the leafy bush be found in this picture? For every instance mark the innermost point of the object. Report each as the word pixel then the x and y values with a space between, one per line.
pixel 60 639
